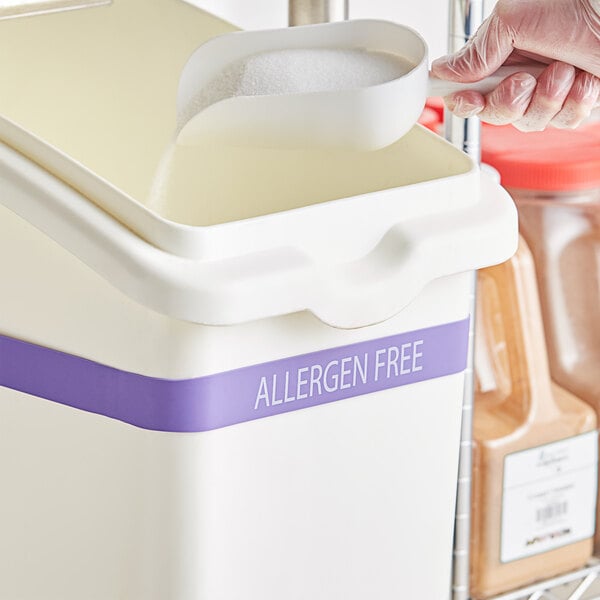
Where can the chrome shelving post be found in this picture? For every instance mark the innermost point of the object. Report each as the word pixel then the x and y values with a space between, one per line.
pixel 308 12
pixel 464 18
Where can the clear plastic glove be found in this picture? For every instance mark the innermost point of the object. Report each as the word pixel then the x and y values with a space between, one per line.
pixel 564 34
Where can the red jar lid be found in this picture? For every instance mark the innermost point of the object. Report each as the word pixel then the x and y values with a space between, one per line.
pixel 430 119
pixel 553 160
pixel 436 103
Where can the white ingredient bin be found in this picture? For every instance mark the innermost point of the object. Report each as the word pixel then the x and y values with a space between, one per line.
pixel 251 389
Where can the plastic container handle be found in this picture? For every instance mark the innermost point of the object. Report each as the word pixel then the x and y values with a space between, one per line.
pixel 440 87
pixel 518 302
pixel 432 247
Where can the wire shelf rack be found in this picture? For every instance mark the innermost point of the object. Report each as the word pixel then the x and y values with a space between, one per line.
pixel 583 584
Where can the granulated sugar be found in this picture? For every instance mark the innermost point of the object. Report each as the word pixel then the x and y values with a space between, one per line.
pixel 275 72
pixel 299 70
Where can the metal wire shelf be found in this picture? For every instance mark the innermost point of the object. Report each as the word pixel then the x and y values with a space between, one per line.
pixel 583 584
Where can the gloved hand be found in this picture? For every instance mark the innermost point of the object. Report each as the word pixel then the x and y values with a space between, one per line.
pixel 565 34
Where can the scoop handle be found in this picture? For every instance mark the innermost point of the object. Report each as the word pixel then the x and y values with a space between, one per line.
pixel 441 87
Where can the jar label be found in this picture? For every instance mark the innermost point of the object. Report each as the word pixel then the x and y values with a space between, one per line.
pixel 549 496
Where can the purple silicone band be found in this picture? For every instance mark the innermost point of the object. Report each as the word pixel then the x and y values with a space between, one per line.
pixel 240 395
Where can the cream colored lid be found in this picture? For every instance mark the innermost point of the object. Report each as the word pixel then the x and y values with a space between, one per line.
pixel 100 83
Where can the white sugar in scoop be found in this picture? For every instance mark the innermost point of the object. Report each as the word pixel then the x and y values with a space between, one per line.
pixel 357 85
pixel 297 71
pixel 333 85
pixel 275 72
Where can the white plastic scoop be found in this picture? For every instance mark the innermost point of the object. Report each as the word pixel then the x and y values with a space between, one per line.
pixel 242 87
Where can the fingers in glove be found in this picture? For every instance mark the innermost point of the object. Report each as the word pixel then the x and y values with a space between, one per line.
pixel 465 104
pixel 581 100
pixel 510 100
pixel 553 87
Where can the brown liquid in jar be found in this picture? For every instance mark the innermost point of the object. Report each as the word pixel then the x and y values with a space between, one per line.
pixel 518 408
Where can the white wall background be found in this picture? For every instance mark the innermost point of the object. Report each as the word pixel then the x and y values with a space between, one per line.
pixel 429 17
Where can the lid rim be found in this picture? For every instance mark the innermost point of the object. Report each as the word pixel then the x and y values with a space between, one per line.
pixel 555 160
